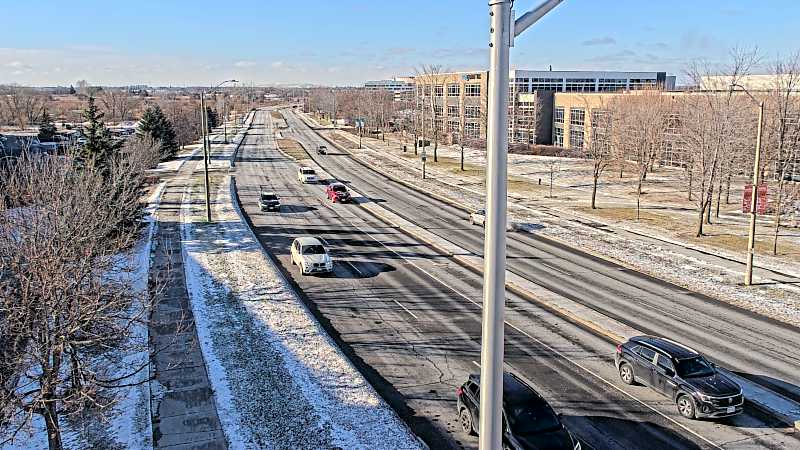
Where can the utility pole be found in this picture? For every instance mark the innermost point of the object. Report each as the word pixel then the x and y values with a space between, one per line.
pixel 224 118
pixel 751 235
pixel 501 37
pixel 207 144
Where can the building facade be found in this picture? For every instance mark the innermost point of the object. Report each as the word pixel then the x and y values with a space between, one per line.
pixel 403 88
pixel 460 100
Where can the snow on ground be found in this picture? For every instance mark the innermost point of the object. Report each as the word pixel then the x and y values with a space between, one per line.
pixel 279 380
pixel 175 164
pixel 127 425
pixel 776 301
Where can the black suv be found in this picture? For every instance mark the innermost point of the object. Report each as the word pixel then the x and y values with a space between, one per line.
pixel 677 371
pixel 528 420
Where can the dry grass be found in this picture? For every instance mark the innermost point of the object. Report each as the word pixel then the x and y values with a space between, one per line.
pixel 276 115
pixel 732 238
pixel 341 140
pixel 293 149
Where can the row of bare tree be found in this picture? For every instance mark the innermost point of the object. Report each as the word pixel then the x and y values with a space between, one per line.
pixel 710 132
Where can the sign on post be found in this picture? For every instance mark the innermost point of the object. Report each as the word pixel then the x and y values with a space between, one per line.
pixel 761 199
pixel 423 155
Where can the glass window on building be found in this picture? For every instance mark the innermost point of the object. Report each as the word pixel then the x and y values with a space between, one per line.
pixel 558 114
pixel 472 90
pixel 453 126
pixel 577 116
pixel 612 84
pixel 558 136
pixel 546 84
pixel 453 90
pixel 452 111
pixel 579 85
pixel 438 110
pixel 642 83
pixel 575 137
pixel 438 90
pixel 472 112
pixel 472 130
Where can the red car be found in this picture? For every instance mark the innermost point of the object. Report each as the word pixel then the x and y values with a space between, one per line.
pixel 337 192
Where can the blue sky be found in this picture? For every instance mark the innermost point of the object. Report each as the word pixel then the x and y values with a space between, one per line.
pixel 180 42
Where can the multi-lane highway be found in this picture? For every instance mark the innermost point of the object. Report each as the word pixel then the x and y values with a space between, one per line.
pixel 409 317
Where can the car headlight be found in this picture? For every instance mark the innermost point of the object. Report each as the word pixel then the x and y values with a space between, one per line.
pixel 704 397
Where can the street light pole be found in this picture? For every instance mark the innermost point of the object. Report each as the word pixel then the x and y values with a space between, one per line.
pixel 207 144
pixel 751 235
pixel 501 35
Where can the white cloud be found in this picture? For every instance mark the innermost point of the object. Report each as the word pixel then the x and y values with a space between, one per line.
pixel 278 65
pixel 244 64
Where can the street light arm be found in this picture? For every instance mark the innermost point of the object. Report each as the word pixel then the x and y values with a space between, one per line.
pixel 744 89
pixel 532 16
pixel 218 86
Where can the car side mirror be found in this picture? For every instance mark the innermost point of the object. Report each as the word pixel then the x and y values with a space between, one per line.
pixel 669 372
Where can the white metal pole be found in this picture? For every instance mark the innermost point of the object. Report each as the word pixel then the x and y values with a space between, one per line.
pixel 203 125
pixel 491 393
pixel 751 238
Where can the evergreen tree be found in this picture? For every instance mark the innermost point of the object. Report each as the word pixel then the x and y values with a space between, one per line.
pixel 72 90
pixel 156 126
pixel 47 129
pixel 213 119
pixel 100 144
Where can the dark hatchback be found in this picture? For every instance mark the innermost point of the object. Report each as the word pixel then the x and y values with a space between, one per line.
pixel 682 374
pixel 528 420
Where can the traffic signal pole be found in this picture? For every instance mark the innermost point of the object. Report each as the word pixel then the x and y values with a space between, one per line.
pixel 501 36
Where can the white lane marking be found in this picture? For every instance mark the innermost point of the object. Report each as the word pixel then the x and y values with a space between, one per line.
pixel 554 268
pixel 476 363
pixel 562 355
pixel 406 309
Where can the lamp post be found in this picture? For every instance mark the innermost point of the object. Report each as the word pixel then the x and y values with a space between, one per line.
pixel 751 236
pixel 206 144
pixel 501 37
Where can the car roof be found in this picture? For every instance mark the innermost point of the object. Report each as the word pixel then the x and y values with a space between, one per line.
pixel 308 240
pixel 515 391
pixel 268 193
pixel 336 183
pixel 674 349
pixel 305 167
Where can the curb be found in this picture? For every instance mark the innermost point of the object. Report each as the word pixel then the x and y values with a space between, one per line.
pixel 788 418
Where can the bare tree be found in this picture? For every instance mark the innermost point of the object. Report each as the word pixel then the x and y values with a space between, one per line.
pixel 715 124
pixel 118 104
pixel 639 123
pixel 67 304
pixel 23 106
pixel 597 148
pixel 433 78
pixel 782 133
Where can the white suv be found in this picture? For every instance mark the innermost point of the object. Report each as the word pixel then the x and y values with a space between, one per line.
pixel 306 175
pixel 311 256
pixel 479 218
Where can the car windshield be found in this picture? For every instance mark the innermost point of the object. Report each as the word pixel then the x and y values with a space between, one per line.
pixel 308 172
pixel 528 419
pixel 694 367
pixel 481 212
pixel 268 197
pixel 339 188
pixel 313 249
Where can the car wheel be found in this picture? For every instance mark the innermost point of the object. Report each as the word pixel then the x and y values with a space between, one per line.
pixel 686 406
pixel 626 373
pixel 465 419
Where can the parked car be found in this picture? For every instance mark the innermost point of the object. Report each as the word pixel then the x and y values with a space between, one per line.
pixel 337 192
pixel 269 201
pixel 479 218
pixel 306 175
pixel 529 422
pixel 322 150
pixel 311 256
pixel 680 373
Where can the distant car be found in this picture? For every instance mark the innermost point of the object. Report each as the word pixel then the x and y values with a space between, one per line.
pixel 479 218
pixel 529 422
pixel 680 373
pixel 269 201
pixel 311 256
pixel 322 150
pixel 337 192
pixel 306 175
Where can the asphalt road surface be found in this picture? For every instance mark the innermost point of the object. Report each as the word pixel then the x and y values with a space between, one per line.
pixel 409 317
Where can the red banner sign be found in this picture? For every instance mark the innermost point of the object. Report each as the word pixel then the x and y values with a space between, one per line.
pixel 761 199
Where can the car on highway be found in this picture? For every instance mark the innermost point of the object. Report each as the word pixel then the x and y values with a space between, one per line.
pixel 479 218
pixel 306 175
pixel 311 256
pixel 322 150
pixel 337 192
pixel 269 201
pixel 529 422
pixel 696 386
